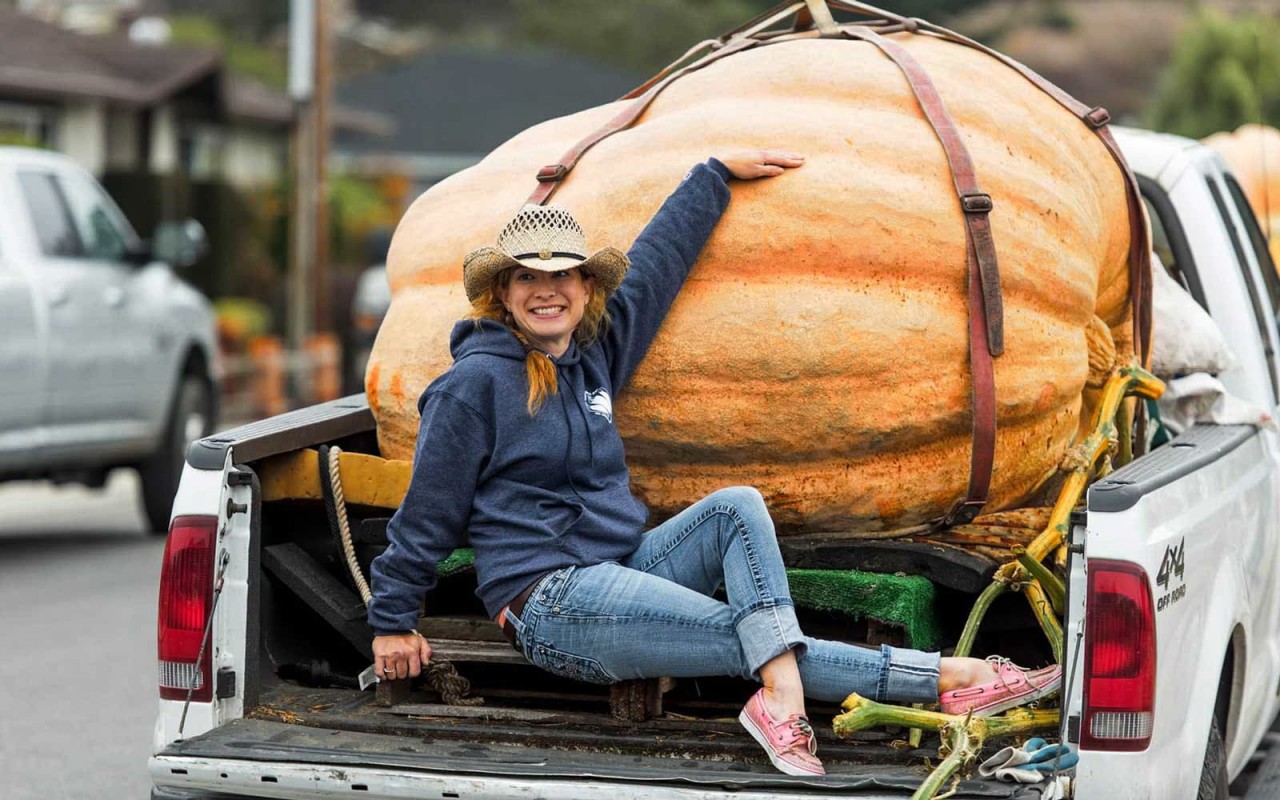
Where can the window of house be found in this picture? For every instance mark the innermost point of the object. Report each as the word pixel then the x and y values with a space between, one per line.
pixel 25 125
pixel 50 216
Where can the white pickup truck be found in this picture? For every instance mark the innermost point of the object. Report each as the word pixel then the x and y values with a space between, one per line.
pixel 1171 623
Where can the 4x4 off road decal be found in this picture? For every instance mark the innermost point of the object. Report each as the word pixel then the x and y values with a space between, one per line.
pixel 1172 567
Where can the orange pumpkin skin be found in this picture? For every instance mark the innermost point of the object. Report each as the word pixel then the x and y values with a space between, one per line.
pixel 1253 153
pixel 819 349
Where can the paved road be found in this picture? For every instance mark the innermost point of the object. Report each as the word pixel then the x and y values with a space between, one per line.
pixel 78 582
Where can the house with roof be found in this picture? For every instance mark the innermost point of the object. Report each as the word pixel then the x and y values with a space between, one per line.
pixel 116 105
pixel 451 108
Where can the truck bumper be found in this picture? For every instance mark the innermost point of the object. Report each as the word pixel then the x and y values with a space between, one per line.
pixel 261 758
pixel 186 778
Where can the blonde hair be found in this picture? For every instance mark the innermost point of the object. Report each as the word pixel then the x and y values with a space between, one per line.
pixel 538 364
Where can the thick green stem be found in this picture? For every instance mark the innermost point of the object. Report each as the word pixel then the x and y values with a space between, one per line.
pixel 861 714
pixel 1044 615
pixel 963 751
pixel 1124 431
pixel 970 632
pixel 1048 581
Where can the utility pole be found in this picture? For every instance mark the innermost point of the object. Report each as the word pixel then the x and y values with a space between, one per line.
pixel 324 96
pixel 302 40
pixel 310 86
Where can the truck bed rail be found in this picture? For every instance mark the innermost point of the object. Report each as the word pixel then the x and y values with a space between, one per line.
pixel 284 433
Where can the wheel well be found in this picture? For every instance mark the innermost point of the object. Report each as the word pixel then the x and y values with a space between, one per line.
pixel 195 362
pixel 1225 712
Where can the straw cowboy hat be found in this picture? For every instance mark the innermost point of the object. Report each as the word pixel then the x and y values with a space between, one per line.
pixel 545 238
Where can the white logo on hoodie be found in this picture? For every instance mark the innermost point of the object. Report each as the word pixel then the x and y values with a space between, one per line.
pixel 598 402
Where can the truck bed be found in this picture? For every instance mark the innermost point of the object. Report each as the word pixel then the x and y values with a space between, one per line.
pixel 716 757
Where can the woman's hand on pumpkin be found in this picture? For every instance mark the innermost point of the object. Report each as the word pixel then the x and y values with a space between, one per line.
pixel 400 655
pixel 749 164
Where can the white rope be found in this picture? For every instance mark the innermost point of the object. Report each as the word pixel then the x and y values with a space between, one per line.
pixel 344 527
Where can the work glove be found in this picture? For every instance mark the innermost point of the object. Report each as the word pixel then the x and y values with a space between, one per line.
pixel 1031 763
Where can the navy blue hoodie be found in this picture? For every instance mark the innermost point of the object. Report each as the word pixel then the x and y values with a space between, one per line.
pixel 537 493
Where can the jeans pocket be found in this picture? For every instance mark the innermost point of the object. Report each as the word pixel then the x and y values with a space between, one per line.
pixel 567 665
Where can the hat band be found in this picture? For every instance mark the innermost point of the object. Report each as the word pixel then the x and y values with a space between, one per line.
pixel 547 256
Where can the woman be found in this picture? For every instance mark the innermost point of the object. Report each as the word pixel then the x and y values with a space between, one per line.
pixel 518 451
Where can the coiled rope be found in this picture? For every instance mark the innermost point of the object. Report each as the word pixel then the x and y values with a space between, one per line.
pixel 441 676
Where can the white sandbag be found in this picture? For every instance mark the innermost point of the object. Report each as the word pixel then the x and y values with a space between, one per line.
pixel 1185 339
pixel 1200 398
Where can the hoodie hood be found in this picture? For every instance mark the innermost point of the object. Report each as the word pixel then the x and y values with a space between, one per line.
pixel 493 338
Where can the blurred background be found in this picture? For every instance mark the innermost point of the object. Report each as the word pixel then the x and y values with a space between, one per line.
pixel 235 169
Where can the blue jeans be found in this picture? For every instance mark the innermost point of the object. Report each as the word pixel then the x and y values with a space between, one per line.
pixel 654 614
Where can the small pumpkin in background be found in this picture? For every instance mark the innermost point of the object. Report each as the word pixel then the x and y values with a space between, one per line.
pixel 819 350
pixel 1253 153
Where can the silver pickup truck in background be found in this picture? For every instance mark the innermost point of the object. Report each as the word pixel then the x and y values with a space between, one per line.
pixel 107 359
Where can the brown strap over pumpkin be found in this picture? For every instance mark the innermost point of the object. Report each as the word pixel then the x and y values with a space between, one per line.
pixel 1097 119
pixel 550 176
pixel 986 306
pixel 986 316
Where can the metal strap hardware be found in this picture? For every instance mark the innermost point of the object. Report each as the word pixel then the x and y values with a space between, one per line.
pixel 552 172
pixel 976 203
pixel 962 513
pixel 1097 117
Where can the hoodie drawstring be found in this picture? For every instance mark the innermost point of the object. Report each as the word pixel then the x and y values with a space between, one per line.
pixel 568 454
pixel 566 387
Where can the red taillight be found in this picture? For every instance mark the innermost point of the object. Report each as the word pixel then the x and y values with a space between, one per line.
pixel 186 598
pixel 1120 658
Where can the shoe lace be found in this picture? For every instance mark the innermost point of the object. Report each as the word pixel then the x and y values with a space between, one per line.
pixel 997 662
pixel 801 734
pixel 800 726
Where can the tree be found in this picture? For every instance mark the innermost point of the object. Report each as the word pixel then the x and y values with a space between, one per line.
pixel 1224 72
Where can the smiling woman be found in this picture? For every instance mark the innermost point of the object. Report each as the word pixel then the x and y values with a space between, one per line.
pixel 528 465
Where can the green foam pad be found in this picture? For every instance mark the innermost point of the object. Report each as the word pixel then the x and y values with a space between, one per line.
pixel 904 601
pixel 459 560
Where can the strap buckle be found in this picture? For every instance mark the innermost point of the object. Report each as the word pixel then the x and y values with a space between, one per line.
pixel 963 512
pixel 976 203
pixel 1097 117
pixel 552 173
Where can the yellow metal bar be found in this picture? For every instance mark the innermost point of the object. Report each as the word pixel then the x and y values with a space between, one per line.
pixel 366 480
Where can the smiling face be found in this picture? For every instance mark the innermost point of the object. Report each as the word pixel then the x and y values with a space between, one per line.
pixel 547 306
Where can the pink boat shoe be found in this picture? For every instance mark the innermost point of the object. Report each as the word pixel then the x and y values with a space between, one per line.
pixel 1013 686
pixel 790 743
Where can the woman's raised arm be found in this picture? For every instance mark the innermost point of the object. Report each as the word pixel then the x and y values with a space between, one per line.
pixel 668 246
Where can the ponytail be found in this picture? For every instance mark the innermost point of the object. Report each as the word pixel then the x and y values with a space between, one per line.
pixel 541 370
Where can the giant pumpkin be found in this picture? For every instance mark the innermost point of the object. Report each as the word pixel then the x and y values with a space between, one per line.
pixel 819 350
pixel 1253 153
